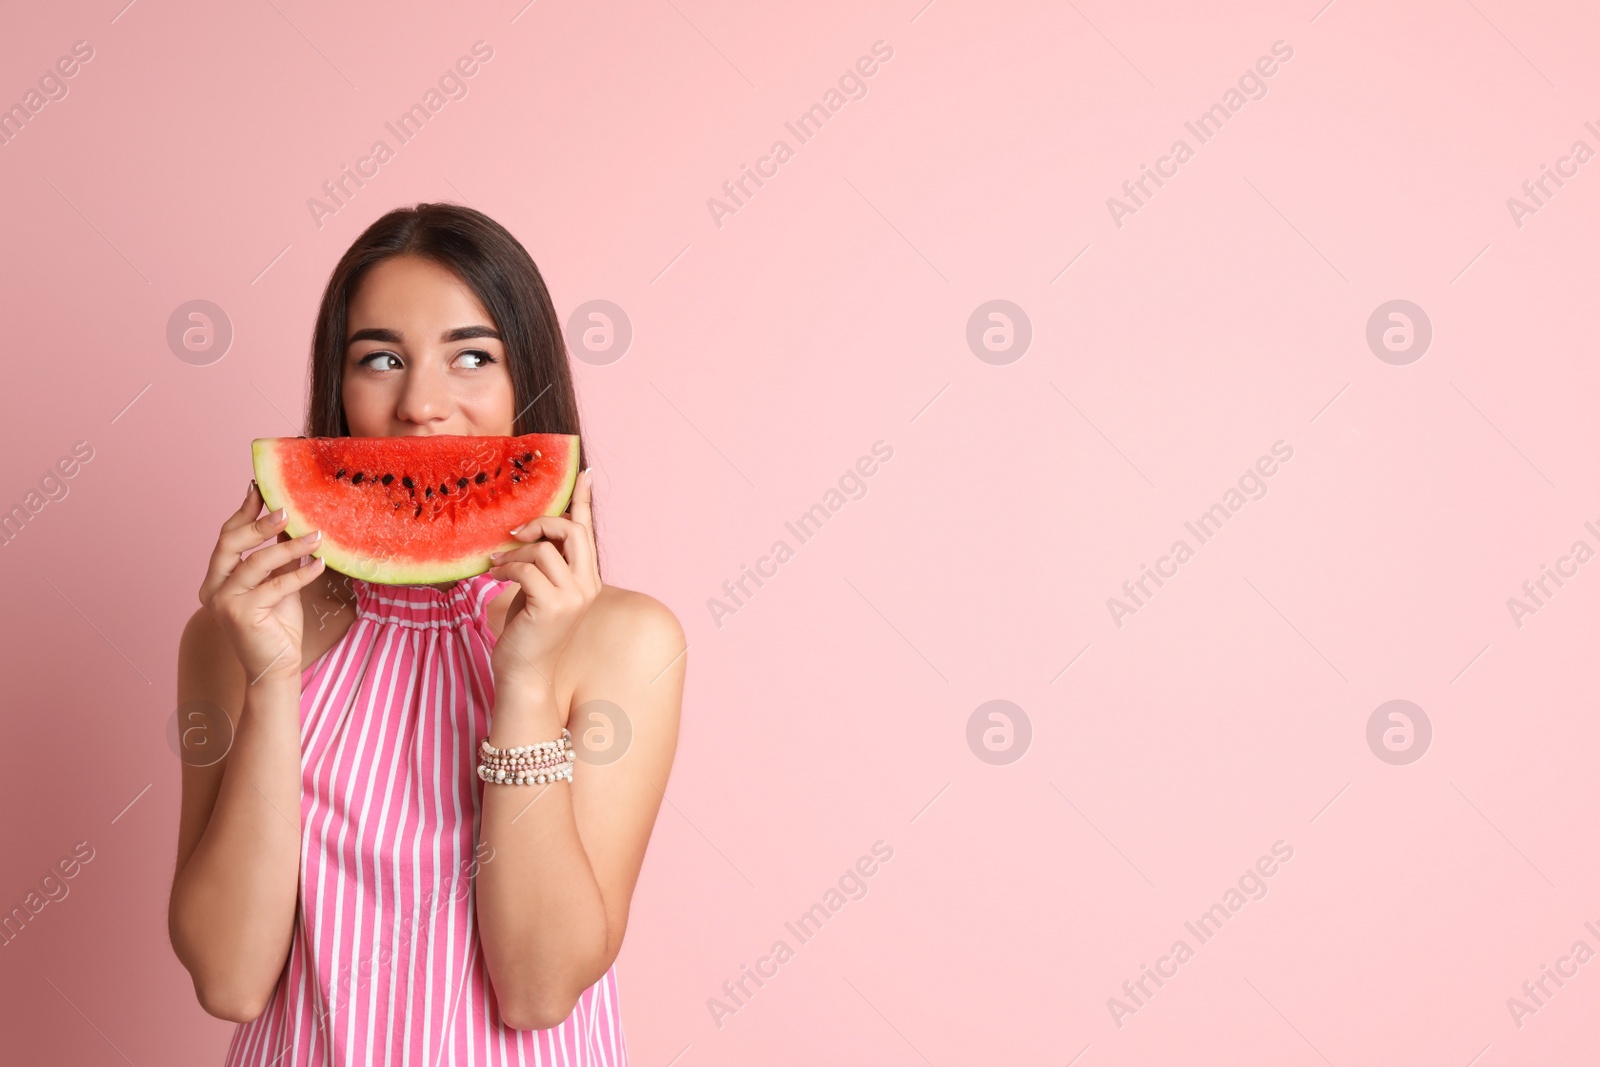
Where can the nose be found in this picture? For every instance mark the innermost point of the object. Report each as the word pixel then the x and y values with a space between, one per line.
pixel 424 396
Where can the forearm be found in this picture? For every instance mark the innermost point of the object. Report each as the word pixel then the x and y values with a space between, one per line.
pixel 233 905
pixel 541 917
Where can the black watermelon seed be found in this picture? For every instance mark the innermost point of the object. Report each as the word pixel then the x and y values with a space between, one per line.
pixel 387 478
pixel 419 511
pixel 445 489
pixel 355 479
pixel 461 483
pixel 407 482
pixel 428 492
pixel 526 456
pixel 481 478
pixel 497 471
pixel 516 477
pixel 336 477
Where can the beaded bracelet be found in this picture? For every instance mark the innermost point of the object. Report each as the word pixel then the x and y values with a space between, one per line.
pixel 546 761
pixel 545 754
pixel 527 774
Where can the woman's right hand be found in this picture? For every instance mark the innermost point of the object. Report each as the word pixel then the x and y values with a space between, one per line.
pixel 257 600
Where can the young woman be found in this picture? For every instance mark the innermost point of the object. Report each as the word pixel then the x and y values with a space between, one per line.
pixel 347 889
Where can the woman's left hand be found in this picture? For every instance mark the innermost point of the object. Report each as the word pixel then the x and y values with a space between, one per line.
pixel 557 587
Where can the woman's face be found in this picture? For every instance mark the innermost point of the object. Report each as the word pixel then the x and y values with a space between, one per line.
pixel 422 356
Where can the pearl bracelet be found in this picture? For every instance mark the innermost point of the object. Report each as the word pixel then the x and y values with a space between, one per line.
pixel 546 761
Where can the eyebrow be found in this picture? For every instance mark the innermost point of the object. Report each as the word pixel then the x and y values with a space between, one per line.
pixel 460 333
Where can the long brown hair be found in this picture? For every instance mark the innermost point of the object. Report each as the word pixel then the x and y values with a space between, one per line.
pixel 495 266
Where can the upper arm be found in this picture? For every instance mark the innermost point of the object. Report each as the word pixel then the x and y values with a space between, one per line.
pixel 211 685
pixel 624 718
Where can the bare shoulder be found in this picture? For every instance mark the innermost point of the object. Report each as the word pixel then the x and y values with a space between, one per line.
pixel 629 652
pixel 617 620
pixel 621 619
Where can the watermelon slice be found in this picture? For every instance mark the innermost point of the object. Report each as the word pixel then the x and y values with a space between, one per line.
pixel 414 509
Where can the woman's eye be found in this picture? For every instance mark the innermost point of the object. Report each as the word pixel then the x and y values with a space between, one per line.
pixel 375 360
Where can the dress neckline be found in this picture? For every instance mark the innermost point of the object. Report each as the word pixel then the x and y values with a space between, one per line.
pixel 417 607
pixel 423 604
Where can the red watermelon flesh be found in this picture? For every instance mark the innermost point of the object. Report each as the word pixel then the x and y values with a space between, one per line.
pixel 414 509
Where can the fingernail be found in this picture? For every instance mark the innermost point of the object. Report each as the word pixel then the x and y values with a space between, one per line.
pixel 277 516
pixel 496 556
pixel 313 537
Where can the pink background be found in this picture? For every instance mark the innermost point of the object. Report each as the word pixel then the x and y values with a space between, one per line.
pixel 829 312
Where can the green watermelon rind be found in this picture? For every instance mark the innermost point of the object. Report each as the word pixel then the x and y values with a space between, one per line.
pixel 356 563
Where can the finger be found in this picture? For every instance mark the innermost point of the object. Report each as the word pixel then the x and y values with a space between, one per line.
pixel 580 510
pixel 543 555
pixel 546 557
pixel 251 493
pixel 283 535
pixel 248 510
pixel 232 548
pixel 275 589
pixel 237 540
pixel 254 570
pixel 238 535
pixel 576 540
pixel 310 542
pixel 554 527
pixel 582 497
pixel 535 584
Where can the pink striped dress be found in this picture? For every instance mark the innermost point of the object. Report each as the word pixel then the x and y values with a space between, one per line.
pixel 385 965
